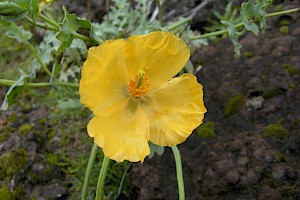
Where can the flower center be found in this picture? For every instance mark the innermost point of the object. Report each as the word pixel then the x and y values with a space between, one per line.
pixel 140 85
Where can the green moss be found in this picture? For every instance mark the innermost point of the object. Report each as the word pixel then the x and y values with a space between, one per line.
pixel 12 162
pixel 207 130
pixel 272 93
pixel 290 69
pixel 276 130
pixel 5 194
pixel 248 54
pixel 43 120
pixel 284 22
pixel 52 159
pixel 12 118
pixel 287 191
pixel 281 156
pixel 25 128
pixel 292 86
pixel 3 136
pixel 233 105
pixel 284 29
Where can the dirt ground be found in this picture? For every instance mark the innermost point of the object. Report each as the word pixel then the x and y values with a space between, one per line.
pixel 253 105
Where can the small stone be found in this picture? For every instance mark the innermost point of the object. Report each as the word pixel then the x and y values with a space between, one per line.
pixel 210 174
pixel 252 176
pixel 278 171
pixel 243 161
pixel 266 192
pixel 232 176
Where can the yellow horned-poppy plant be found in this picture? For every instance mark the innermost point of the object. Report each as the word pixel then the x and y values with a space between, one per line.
pixel 129 86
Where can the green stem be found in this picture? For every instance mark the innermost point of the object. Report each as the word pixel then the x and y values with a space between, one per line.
pixel 8 83
pixel 48 20
pixel 41 25
pixel 221 32
pixel 88 171
pixel 102 176
pixel 82 37
pixel 160 11
pixel 283 12
pixel 44 67
pixel 179 172
pixel 178 24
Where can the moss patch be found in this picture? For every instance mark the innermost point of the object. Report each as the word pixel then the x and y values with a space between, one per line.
pixel 272 93
pixel 207 130
pixel 290 69
pixel 12 162
pixel 284 29
pixel 276 130
pixel 25 128
pixel 234 105
pixel 5 193
pixel 248 54
pixel 281 156
pixel 4 136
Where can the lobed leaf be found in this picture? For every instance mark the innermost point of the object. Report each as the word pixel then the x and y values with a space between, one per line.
pixel 16 32
pixel 250 15
pixel 13 91
pixel 155 149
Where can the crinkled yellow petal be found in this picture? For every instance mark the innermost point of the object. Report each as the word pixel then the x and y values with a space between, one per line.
pixel 104 77
pixel 174 110
pixel 160 54
pixel 122 131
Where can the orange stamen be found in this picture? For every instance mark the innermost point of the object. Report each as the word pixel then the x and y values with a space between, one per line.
pixel 139 87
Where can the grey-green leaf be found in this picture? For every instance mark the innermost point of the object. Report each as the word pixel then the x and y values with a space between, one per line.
pixel 17 32
pixel 155 149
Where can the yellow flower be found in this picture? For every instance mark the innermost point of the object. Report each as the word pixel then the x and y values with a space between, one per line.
pixel 129 86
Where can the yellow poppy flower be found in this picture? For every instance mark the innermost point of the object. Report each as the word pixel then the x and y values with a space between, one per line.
pixel 129 86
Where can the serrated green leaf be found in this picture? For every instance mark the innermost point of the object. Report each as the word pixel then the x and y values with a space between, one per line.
pixel 250 16
pixel 14 91
pixel 155 149
pixel 17 32
pixel 63 46
pixel 88 25
pixel 233 36
pixel 70 24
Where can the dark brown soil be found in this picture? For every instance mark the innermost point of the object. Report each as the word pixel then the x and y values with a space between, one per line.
pixel 243 97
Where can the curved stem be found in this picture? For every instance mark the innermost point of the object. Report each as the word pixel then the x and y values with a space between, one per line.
pixel 88 171
pixel 101 179
pixel 41 25
pixel 6 82
pixel 82 37
pixel 221 32
pixel 44 67
pixel 179 172
pixel 178 24
pixel 49 21
pixel 160 11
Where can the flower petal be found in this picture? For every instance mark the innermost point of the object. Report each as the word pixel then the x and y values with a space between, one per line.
pixel 160 54
pixel 174 110
pixel 104 77
pixel 122 131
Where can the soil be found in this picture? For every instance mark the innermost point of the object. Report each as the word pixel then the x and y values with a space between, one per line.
pixel 253 104
pixel 251 100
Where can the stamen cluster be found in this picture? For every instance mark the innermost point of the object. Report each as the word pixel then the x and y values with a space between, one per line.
pixel 137 90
